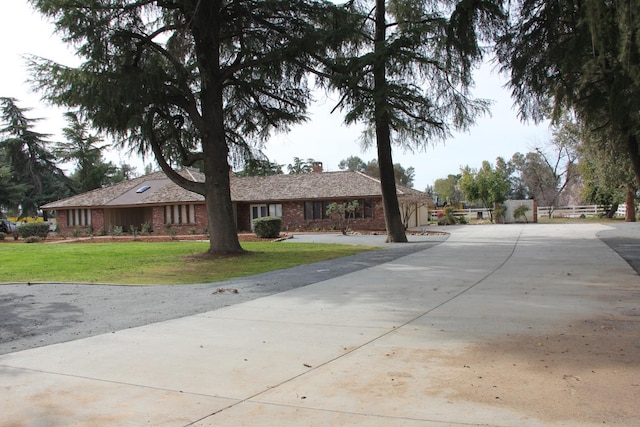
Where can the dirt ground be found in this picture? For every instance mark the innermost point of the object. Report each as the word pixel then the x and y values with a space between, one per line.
pixel 588 373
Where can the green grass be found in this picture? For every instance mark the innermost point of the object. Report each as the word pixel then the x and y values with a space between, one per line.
pixel 153 263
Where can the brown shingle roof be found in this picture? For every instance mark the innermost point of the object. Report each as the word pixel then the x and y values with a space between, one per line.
pixel 326 185
pixel 161 191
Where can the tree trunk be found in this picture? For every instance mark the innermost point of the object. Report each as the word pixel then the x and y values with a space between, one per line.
pixel 634 156
pixel 630 202
pixel 223 233
pixel 392 218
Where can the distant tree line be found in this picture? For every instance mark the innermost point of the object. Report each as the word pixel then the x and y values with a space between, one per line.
pixel 569 169
pixel 264 167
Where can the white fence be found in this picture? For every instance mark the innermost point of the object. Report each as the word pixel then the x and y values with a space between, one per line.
pixel 543 212
pixel 577 211
pixel 482 213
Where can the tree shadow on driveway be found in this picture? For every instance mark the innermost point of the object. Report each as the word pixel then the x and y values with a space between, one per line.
pixel 24 315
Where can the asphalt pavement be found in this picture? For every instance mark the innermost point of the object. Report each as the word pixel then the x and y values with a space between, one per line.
pixel 33 315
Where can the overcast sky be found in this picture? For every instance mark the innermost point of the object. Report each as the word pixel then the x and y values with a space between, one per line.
pixel 323 137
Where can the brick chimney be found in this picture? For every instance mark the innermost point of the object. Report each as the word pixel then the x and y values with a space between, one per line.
pixel 316 167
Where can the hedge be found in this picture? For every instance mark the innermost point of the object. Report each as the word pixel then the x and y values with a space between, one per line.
pixel 38 229
pixel 267 227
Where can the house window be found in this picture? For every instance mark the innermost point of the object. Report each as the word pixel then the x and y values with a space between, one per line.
pixel 275 209
pixel 78 217
pixel 364 210
pixel 180 214
pixel 315 210
pixel 259 211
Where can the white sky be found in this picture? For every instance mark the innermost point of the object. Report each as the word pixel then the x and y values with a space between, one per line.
pixel 323 137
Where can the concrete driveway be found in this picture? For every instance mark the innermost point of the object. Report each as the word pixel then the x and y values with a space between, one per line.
pixel 504 325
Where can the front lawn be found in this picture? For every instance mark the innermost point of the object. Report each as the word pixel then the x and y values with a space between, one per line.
pixel 153 263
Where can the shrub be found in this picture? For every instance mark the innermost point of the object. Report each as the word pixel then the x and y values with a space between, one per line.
pixel 267 227
pixel 499 213
pixel 172 232
pixel 76 232
pixel 2 236
pixel 447 217
pixel 521 211
pixel 117 230
pixel 341 213
pixel 38 229
pixel 146 228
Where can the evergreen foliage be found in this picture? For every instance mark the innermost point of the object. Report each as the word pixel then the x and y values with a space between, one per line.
pixel 11 192
pixel 29 173
pixel 300 166
pixel 257 167
pixel 192 82
pixel 582 56
pixel 402 176
pixel 407 74
pixel 81 147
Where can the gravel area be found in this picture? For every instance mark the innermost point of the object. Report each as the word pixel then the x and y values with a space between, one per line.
pixel 43 314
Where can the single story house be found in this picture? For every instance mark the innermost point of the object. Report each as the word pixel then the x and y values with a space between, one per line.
pixel 300 200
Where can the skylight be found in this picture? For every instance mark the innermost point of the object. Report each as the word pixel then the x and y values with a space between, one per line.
pixel 143 189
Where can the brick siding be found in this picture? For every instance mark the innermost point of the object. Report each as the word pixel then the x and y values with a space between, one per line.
pixel 61 222
pixel 157 221
pixel 292 220
pixel 97 220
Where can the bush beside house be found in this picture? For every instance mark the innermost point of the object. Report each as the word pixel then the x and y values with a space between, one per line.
pixel 267 227
pixel 34 229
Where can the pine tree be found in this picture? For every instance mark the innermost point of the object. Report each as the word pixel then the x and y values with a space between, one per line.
pixel 194 82
pixel 582 56
pixel 82 148
pixel 407 74
pixel 35 178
